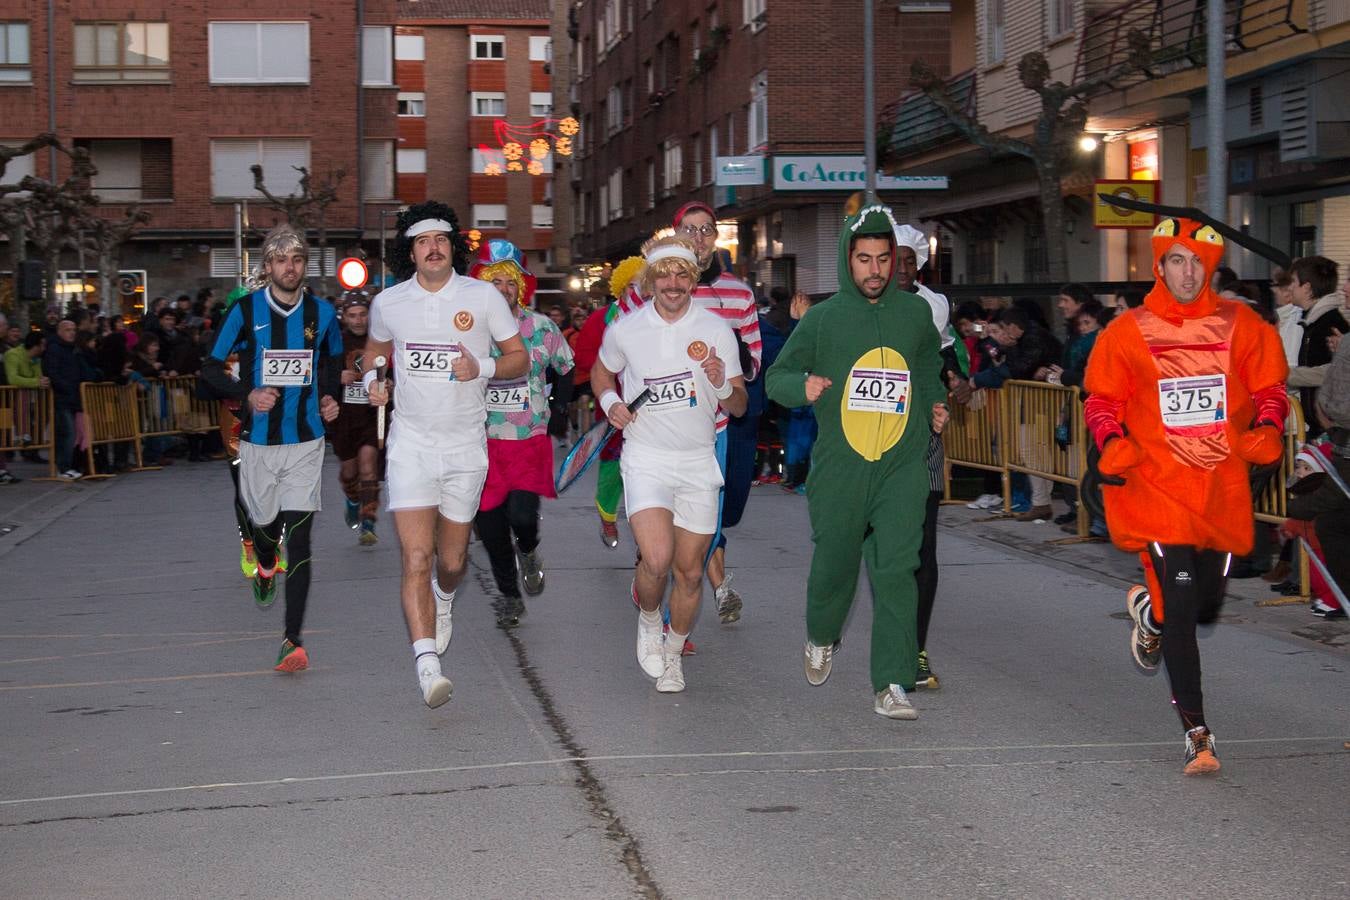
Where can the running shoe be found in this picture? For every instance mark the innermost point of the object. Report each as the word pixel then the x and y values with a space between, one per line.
pixel 609 534
pixel 510 610
pixel 819 660
pixel 728 602
pixel 1145 640
pixel 531 572
pixel 292 658
pixel 367 536
pixel 985 501
pixel 672 672
pixel 265 588
pixel 351 514
pixel 71 475
pixel 1326 611
pixel 893 703
pixel 1200 756
pixel 444 609
pixel 248 563
pixel 436 687
pixel 6 477
pixel 925 677
pixel 650 643
pixel 1067 518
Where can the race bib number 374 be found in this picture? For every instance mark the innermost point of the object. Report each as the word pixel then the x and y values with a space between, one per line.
pixel 1198 400
pixel 878 390
pixel 430 361
pixel 508 396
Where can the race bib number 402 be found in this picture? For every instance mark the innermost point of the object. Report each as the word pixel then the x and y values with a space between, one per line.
pixel 508 396
pixel 429 361
pixel 878 390
pixel 671 392
pixel 287 368
pixel 1198 400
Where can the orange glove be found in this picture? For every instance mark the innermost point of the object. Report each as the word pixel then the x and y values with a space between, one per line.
pixel 1120 454
pixel 1261 445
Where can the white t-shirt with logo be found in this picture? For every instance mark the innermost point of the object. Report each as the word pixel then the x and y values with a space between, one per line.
pixel 666 357
pixel 432 410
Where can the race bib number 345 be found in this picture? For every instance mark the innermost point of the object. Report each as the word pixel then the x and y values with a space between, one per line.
pixel 287 368
pixel 430 361
pixel 878 390
pixel 1198 400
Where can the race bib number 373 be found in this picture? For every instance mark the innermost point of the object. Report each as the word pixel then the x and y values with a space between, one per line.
pixel 1198 400
pixel 430 361
pixel 287 368
pixel 878 390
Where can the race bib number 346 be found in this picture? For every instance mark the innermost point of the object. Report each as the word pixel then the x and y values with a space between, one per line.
pixel 430 361
pixel 287 368
pixel 671 392
pixel 1198 400
pixel 878 390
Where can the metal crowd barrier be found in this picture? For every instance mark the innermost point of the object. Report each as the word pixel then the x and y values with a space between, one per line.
pixel 128 413
pixel 110 418
pixel 971 439
pixel 26 422
pixel 170 406
pixel 1032 410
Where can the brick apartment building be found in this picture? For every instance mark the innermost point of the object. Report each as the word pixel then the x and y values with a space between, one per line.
pixel 769 92
pixel 176 101
pixel 473 79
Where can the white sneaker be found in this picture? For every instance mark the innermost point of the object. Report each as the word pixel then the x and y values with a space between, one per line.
pixel 436 687
pixel 71 475
pixel 985 501
pixel 894 704
pixel 649 644
pixel 819 660
pixel 672 675
pixel 444 626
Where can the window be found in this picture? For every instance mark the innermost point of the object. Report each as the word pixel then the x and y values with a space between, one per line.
pixel 19 167
pixel 224 264
pixel 486 104
pixel 541 104
pixel 377 56
pixel 614 107
pixel 121 51
pixel 611 27
pixel 1061 17
pixel 489 215
pixel 14 61
pixel 756 13
pixel 757 122
pixel 602 206
pixel 487 46
pixel 695 41
pixel 1035 256
pixel 649 77
pixel 651 184
pixel 672 168
pixel 411 47
pixel 541 48
pixel 412 162
pixel 259 52
pixel 412 104
pixel 697 143
pixel 712 153
pixel 119 170
pixel 616 194
pixel 231 159
pixel 993 32
pixel 731 134
pixel 377 170
pixel 541 215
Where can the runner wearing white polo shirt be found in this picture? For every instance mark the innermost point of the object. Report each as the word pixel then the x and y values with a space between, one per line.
pixel 687 358
pixel 439 327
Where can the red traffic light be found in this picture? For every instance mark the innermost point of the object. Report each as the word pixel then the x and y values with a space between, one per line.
pixel 352 273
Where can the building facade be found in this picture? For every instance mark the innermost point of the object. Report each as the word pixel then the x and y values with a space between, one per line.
pixel 753 106
pixel 475 101
pixel 176 102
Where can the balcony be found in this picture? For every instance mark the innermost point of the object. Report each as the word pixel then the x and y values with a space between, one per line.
pixel 914 125
pixel 1176 34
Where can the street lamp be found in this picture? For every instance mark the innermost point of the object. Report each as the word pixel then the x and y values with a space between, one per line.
pixel 1087 143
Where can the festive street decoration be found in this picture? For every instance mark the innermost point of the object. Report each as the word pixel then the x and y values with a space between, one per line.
pixel 527 148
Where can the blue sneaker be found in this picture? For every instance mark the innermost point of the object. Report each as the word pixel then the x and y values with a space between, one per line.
pixel 352 514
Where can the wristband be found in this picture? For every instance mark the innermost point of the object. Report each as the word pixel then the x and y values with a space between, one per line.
pixel 724 391
pixel 608 399
pixel 487 367
pixel 368 379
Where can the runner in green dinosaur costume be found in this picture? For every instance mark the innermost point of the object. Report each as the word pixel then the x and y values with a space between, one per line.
pixel 868 359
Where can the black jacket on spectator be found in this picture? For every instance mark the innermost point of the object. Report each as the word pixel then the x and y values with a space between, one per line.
pixel 61 363
pixel 1036 347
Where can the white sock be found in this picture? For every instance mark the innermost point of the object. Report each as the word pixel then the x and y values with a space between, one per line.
pixel 424 655
pixel 440 594
pixel 650 619
pixel 675 641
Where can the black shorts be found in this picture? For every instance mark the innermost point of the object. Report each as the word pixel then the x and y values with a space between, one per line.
pixel 354 429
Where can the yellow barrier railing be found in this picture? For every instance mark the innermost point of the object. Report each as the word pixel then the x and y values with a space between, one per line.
pixel 1032 410
pixel 109 418
pixel 131 412
pixel 971 439
pixel 170 406
pixel 26 424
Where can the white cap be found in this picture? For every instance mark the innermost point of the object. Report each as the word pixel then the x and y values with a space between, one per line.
pixel 426 225
pixel 672 251
pixel 914 239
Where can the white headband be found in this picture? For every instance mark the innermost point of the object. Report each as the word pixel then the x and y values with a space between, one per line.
pixel 426 225
pixel 672 251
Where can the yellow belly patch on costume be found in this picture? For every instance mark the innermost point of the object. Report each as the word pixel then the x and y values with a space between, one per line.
pixel 875 406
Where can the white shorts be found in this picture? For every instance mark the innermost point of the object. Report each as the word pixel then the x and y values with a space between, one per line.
pixel 279 477
pixel 452 481
pixel 689 488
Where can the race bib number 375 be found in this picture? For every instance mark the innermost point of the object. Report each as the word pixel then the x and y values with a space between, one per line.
pixel 878 390
pixel 1198 400
pixel 287 368
pixel 430 361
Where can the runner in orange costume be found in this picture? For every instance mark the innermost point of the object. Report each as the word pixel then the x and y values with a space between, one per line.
pixel 1187 392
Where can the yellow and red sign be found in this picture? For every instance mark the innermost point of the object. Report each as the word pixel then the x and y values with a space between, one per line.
pixel 1104 215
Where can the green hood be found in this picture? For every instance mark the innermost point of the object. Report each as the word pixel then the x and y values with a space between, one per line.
pixel 870 221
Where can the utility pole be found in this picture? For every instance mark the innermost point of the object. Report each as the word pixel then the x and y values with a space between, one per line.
pixel 870 102
pixel 1216 149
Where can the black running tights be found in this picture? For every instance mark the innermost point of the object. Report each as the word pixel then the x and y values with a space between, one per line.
pixel 240 513
pixel 927 574
pixel 518 515
pixel 294 528
pixel 1193 583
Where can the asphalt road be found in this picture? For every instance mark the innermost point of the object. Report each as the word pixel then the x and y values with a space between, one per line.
pixel 148 750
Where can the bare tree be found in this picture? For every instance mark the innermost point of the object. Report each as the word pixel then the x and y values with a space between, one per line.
pixel 104 237
pixel 53 210
pixel 13 217
pixel 1052 145
pixel 307 209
